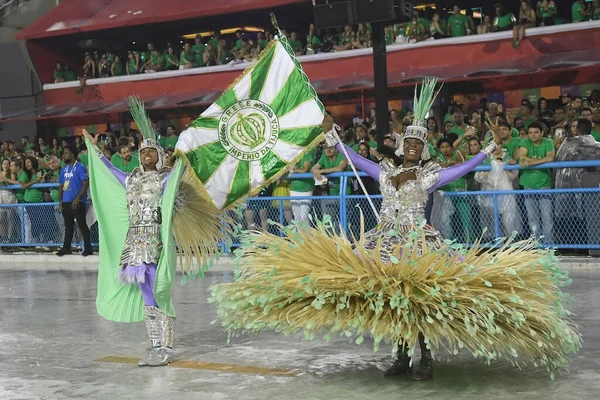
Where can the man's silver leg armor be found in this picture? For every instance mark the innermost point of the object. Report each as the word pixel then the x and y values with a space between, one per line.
pixel 160 330
pixel 153 327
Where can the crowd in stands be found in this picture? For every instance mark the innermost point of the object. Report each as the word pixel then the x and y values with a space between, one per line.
pixel 535 135
pixel 429 24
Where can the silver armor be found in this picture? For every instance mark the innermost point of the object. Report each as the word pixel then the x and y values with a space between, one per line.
pixel 143 243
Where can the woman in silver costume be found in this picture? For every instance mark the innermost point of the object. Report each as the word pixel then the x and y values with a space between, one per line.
pixel 401 282
pixel 405 189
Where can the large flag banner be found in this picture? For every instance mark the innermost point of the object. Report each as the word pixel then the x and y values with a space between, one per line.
pixel 267 119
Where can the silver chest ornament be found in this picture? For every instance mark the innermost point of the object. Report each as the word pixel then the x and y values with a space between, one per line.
pixel 406 206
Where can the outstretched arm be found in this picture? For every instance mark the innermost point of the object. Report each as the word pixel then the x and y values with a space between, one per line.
pixel 451 174
pixel 120 175
pixel 369 167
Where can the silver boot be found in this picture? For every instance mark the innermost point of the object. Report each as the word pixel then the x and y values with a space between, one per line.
pixel 162 355
pixel 151 319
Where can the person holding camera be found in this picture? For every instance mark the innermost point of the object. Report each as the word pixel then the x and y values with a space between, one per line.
pixel 73 184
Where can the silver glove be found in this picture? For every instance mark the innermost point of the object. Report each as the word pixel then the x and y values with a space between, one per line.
pixel 490 148
pixel 331 138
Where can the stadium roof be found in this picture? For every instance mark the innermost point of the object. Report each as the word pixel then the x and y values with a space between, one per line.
pixel 77 16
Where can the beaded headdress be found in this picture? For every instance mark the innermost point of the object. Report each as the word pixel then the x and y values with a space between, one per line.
pixel 423 101
pixel 144 124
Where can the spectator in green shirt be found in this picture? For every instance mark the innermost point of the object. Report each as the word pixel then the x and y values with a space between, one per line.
pixel 362 135
pixel 186 59
pixel 296 44
pixel 534 151
pixel 124 159
pixel 157 61
pixel 44 148
pixel 54 165
pixel 596 121
pixel 510 142
pixel 83 155
pixel 458 24
pixel 239 43
pixel 171 59
pixel 546 12
pixel 525 112
pixel 116 69
pixel 69 74
pixel 461 225
pixel 331 162
pixel 579 12
pixel 504 21
pixel 27 146
pixel 459 123
pixel 214 41
pixel 261 40
pixel 313 43
pixel 59 75
pixel 198 51
pixel 29 177
pixel 302 187
pixel 586 113
pixel 169 141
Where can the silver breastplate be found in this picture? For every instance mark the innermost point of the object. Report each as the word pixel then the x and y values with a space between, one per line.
pixel 405 206
pixel 144 195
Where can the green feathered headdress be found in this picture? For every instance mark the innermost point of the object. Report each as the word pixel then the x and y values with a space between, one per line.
pixel 144 124
pixel 423 102
pixel 141 118
pixel 425 98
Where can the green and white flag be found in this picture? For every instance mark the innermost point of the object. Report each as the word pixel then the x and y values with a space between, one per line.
pixel 267 119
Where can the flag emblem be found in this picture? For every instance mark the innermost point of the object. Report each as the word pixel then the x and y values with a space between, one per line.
pixel 248 130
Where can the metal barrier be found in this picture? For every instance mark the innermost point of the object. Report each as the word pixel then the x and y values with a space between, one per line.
pixel 464 216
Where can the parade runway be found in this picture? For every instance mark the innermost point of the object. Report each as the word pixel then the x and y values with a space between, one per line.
pixel 53 345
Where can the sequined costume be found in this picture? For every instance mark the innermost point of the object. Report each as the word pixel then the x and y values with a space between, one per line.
pixel 403 283
pixel 401 210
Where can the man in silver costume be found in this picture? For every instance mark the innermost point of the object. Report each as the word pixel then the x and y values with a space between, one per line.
pixel 143 243
pixel 570 208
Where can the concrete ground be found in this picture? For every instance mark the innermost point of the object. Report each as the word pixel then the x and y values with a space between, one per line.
pixel 53 345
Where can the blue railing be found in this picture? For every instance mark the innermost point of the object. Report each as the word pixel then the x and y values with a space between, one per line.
pixel 458 215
